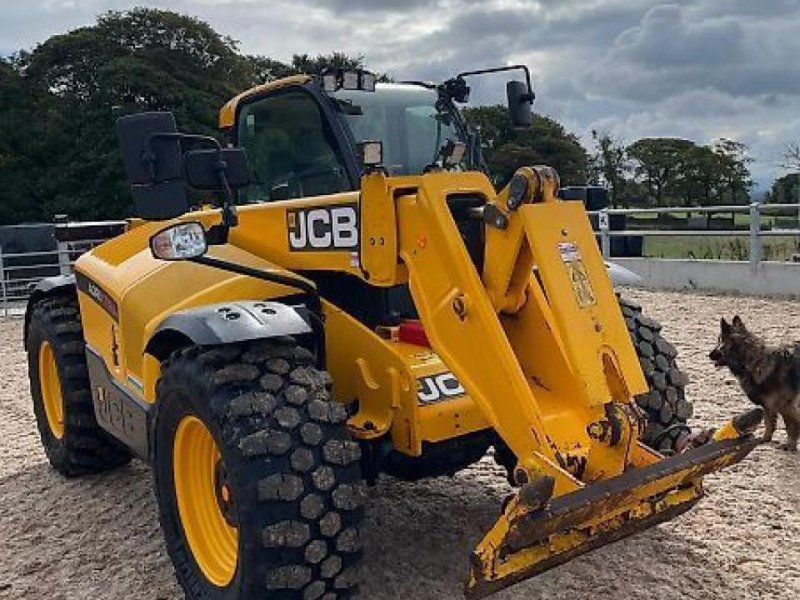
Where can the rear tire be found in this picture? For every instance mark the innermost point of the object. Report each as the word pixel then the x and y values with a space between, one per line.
pixel 290 467
pixel 665 405
pixel 62 399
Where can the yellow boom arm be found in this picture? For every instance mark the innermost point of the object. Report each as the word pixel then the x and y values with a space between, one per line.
pixel 538 341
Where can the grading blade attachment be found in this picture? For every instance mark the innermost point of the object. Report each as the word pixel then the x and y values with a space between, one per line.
pixel 529 539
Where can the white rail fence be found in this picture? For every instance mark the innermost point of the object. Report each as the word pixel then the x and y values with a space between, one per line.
pixel 756 231
pixel 20 272
pixel 754 276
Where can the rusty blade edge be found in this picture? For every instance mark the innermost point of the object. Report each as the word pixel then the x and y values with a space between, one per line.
pixel 572 509
pixel 483 588
pixel 568 511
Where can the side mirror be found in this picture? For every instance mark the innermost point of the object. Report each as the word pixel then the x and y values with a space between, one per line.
pixel 181 241
pixel 520 103
pixel 203 168
pixel 151 152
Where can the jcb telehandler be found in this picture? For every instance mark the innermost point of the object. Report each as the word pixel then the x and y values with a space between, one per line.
pixel 337 292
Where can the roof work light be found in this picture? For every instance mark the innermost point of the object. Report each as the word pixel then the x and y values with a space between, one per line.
pixel 339 79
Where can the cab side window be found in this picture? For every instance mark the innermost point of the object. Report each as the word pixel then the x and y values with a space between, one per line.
pixel 291 149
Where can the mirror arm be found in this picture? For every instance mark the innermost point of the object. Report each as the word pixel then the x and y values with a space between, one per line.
pixel 229 216
pixel 531 95
pixel 289 280
pixel 189 137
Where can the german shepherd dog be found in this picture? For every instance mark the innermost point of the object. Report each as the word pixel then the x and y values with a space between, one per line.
pixel 770 377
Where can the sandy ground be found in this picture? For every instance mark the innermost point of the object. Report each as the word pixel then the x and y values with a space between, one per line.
pixel 98 537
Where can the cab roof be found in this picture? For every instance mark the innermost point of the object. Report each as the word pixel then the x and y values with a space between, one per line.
pixel 227 115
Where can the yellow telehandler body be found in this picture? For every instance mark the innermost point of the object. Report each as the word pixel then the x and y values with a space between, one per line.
pixel 502 329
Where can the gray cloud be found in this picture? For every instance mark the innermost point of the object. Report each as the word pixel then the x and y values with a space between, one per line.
pixel 666 38
pixel 671 51
pixel 372 6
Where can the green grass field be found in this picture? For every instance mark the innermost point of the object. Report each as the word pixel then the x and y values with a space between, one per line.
pixel 735 247
pixel 787 220
pixel 719 248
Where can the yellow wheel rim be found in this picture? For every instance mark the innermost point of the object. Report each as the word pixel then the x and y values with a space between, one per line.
pixel 50 385
pixel 200 493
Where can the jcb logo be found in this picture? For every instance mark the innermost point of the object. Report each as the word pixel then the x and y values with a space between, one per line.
pixel 323 228
pixel 437 388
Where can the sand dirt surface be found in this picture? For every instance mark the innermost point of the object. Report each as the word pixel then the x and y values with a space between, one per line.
pixel 98 537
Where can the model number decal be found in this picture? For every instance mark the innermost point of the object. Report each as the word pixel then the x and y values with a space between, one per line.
pixel 323 228
pixel 98 294
pixel 436 388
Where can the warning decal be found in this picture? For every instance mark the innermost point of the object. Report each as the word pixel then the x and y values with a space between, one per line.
pixel 581 285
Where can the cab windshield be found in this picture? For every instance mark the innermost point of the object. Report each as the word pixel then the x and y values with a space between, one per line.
pixel 405 119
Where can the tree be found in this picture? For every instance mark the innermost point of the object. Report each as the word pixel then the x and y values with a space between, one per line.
pixel 702 180
pixel 785 190
pixel 268 69
pixel 734 163
pixel 30 134
pixel 138 60
pixel 60 101
pixel 677 171
pixel 610 165
pixel 658 162
pixel 506 148
pixel 143 59
pixel 791 157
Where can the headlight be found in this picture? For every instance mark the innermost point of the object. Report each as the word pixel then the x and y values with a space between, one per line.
pixel 179 242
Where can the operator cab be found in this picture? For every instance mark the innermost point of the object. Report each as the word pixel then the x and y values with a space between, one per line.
pixel 304 135
pixel 298 142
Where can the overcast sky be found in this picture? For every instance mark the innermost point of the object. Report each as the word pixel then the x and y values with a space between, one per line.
pixel 699 69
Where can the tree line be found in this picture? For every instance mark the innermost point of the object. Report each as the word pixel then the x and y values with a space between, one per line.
pixel 672 171
pixel 60 100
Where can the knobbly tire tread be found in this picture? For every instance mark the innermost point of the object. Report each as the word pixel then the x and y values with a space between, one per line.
pixel 85 447
pixel 293 465
pixel 665 405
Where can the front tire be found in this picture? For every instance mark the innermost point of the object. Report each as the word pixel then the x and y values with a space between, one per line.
pixel 258 481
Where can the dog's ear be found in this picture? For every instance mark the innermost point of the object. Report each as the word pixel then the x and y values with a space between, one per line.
pixel 737 322
pixel 724 326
